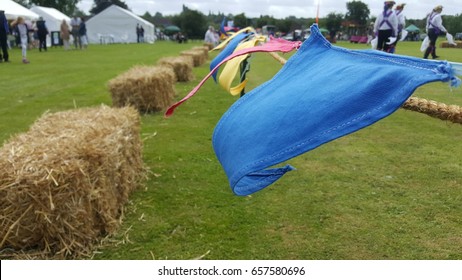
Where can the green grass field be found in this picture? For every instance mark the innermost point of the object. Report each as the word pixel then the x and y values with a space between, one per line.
pixel 390 191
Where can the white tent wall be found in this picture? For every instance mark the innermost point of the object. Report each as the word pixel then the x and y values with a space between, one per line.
pixel 52 18
pixel 13 10
pixel 117 25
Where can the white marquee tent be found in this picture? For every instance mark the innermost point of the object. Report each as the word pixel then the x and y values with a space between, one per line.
pixel 52 18
pixel 13 10
pixel 117 25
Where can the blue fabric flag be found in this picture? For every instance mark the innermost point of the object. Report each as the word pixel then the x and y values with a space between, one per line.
pixel 322 93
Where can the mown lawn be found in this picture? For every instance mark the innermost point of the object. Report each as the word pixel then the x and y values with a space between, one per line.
pixel 390 191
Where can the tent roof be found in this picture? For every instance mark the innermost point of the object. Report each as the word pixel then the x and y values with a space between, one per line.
pixel 51 12
pixel 13 10
pixel 412 28
pixel 118 24
pixel 115 8
pixel 51 16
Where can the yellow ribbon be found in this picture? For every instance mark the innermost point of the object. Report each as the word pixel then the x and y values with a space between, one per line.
pixel 231 68
pixel 225 42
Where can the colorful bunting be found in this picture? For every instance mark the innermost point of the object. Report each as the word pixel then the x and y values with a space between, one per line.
pixel 225 42
pixel 319 95
pixel 233 42
pixel 233 66
pixel 275 45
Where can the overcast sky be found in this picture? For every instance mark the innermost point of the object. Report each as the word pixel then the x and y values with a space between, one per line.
pixel 415 9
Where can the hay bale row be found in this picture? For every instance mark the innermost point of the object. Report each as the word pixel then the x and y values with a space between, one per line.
pixel 181 65
pixel 64 182
pixel 198 56
pixel 147 88
pixel 151 88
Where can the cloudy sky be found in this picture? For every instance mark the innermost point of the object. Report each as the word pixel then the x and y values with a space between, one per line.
pixel 415 9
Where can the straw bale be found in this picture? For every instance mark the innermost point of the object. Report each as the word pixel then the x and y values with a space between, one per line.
pixel 182 66
pixel 209 46
pixel 147 88
pixel 197 55
pixel 203 49
pixel 445 44
pixel 64 182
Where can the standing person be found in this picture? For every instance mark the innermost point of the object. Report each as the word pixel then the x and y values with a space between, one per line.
pixel 401 24
pixel 434 27
pixel 42 32
pixel 138 33
pixel 209 37
pixel 83 34
pixel 141 34
pixel 4 30
pixel 386 26
pixel 75 26
pixel 22 28
pixel 65 34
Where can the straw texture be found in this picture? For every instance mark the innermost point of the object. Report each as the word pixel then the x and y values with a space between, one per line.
pixel 204 49
pixel 64 183
pixel 445 44
pixel 147 88
pixel 182 66
pixel 198 56
pixel 452 113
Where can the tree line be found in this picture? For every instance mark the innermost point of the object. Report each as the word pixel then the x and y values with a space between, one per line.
pixel 194 23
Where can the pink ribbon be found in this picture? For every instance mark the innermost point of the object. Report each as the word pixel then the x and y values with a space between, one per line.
pixel 274 45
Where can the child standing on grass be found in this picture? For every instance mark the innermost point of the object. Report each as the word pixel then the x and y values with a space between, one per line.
pixel 23 35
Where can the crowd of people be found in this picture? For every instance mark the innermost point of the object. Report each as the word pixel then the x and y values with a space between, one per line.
pixel 29 35
pixel 78 31
pixel 389 25
pixel 387 30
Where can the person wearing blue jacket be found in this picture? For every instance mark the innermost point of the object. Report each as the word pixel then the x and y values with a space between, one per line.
pixel 4 30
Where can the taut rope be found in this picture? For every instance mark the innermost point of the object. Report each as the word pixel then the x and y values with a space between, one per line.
pixel 434 109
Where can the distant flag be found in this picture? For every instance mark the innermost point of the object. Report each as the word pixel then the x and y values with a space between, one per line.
pixel 222 32
pixel 317 13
